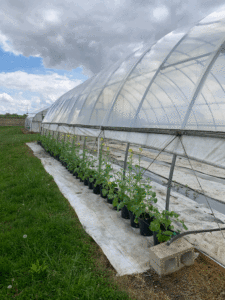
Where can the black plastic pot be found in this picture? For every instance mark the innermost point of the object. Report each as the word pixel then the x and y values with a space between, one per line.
pixel 91 184
pixel 125 213
pixel 75 173
pixel 132 217
pixel 110 201
pixel 144 223
pixel 96 189
pixel 162 227
pixel 115 207
pixel 104 197
pixel 86 181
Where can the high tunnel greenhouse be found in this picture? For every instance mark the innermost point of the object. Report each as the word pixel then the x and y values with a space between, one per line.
pixel 167 97
pixel 33 120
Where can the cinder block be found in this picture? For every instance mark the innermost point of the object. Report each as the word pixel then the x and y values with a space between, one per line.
pixel 168 259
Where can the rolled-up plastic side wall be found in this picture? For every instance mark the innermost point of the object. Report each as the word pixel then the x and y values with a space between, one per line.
pixel 203 149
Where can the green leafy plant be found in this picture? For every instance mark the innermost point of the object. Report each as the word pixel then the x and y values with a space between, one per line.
pixel 66 154
pixel 165 218
pixel 104 168
pixel 121 196
pixel 140 207
pixel 125 184
pixel 111 190
pixel 136 190
pixel 106 184
pixel 37 269
pixel 89 171
pixel 141 190
pixel 86 165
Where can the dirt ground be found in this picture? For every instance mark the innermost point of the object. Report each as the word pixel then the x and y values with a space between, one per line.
pixel 25 131
pixel 205 279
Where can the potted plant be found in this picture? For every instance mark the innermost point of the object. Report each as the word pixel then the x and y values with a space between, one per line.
pixel 138 196
pixel 104 168
pixel 112 192
pixel 77 160
pixel 144 214
pixel 127 185
pixel 75 157
pixel 121 198
pixel 91 179
pixel 88 168
pixel 161 226
pixel 98 181
pixel 104 189
pixel 138 192
pixel 142 203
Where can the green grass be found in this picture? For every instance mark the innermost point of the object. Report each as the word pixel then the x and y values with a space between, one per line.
pixel 32 205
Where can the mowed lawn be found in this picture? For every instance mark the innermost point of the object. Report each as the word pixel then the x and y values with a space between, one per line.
pixel 44 251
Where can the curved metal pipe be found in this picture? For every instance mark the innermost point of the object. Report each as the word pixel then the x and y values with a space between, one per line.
pixel 190 232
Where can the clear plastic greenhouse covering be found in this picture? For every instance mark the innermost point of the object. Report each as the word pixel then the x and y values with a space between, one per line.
pixel 34 120
pixel 169 94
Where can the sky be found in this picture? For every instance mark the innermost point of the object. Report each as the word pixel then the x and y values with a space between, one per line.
pixel 49 47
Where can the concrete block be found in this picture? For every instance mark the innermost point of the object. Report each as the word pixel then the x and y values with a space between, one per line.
pixel 168 259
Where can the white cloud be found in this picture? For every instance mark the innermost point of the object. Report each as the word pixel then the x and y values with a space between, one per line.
pixel 42 90
pixel 6 45
pixel 70 34
pixel 91 35
pixel 53 83
pixel 51 16
pixel 160 13
pixel 5 98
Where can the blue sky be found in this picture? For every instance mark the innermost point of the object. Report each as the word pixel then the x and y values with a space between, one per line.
pixel 32 65
pixel 11 64
pixel 49 47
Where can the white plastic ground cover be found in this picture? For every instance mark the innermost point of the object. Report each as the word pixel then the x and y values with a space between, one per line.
pixel 123 245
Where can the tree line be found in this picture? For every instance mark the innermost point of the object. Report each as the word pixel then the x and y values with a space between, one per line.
pixel 8 115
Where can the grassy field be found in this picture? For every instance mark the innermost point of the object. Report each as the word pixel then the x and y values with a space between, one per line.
pixel 44 251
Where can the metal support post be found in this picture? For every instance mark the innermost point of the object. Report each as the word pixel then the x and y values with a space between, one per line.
pixel 84 144
pixel 98 148
pixel 125 161
pixel 170 180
